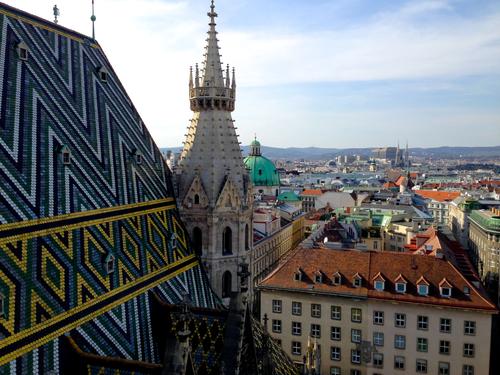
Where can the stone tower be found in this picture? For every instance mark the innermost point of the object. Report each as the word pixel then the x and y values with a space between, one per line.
pixel 213 187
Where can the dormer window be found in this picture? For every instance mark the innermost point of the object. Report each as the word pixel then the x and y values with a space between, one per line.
pixel 445 292
pixel 298 275
pixel 401 287
pixel 66 155
pixel 357 281
pixel 137 156
pixel 103 74
pixel 379 285
pixel 337 279
pixel 22 51
pixel 379 282
pixel 109 264
pixel 3 305
pixel 466 290
pixel 318 277
pixel 173 241
pixel 445 288
pixel 423 289
pixel 400 284
pixel 422 286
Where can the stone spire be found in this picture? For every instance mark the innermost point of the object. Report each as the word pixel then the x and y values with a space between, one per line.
pixel 213 188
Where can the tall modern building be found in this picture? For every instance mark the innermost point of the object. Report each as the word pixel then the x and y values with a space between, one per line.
pixel 213 187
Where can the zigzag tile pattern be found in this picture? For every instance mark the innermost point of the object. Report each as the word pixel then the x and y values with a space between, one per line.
pixel 60 223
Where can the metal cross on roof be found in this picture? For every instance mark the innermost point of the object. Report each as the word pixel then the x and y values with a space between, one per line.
pixel 55 9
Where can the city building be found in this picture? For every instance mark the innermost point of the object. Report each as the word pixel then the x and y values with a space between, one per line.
pixel 262 172
pixel 484 245
pixel 438 203
pixel 309 197
pixel 214 191
pixel 366 312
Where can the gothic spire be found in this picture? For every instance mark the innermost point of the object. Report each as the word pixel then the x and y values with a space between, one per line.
pixel 212 65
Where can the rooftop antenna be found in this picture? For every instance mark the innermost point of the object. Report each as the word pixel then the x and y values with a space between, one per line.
pixel 93 18
pixel 56 13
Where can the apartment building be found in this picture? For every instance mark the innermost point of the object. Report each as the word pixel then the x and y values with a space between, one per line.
pixel 484 244
pixel 367 313
pixel 438 204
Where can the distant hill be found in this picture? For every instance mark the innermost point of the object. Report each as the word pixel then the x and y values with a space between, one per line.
pixel 317 153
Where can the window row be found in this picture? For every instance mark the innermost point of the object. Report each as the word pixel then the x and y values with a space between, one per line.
pixel 335 311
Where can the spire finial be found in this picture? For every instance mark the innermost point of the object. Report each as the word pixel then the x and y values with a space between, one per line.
pixel 55 9
pixel 212 14
pixel 93 18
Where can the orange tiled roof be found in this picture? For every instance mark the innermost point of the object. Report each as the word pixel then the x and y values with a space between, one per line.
pixel 368 265
pixel 440 196
pixel 312 192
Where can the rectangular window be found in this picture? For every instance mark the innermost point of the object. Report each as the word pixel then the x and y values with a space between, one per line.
pixel 316 310
pixel 469 350
pixel 378 338
pixel 378 360
pixel 356 335
pixel 423 323
pixel 334 370
pixel 356 315
pixel 315 330
pixel 296 348
pixel 296 308
pixel 469 327
pixel 335 353
pixel 445 325
pixel 378 317
pixel 421 367
pixel 335 333
pixel 355 356
pixel 296 328
pixel 399 362
pixel 444 347
pixel 277 307
pixel 422 344
pixel 355 372
pixel 400 320
pixel 444 368
pixel 399 342
pixel 336 313
pixel 468 370
pixel 276 326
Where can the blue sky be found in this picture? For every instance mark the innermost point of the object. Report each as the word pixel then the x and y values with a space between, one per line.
pixel 325 73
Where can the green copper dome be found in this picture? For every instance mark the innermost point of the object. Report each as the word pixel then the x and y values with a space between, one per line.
pixel 261 170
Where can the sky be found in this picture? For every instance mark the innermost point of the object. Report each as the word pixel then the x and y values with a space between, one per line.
pixel 322 73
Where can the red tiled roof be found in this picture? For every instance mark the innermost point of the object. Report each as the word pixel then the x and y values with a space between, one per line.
pixel 440 196
pixel 312 192
pixel 368 264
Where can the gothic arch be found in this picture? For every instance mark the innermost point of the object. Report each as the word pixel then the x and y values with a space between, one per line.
pixel 247 237
pixel 227 241
pixel 227 280
pixel 198 241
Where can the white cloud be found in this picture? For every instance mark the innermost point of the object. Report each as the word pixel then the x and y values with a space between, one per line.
pixel 152 43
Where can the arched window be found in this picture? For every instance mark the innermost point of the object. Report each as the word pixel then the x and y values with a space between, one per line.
pixel 227 241
pixel 198 241
pixel 226 284
pixel 247 237
pixel 196 199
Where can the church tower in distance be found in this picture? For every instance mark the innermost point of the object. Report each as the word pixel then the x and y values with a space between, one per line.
pixel 213 188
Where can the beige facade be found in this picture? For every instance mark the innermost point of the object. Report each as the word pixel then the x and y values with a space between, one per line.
pixel 408 345
pixel 267 253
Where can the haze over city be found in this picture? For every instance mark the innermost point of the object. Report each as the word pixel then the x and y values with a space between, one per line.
pixel 354 73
